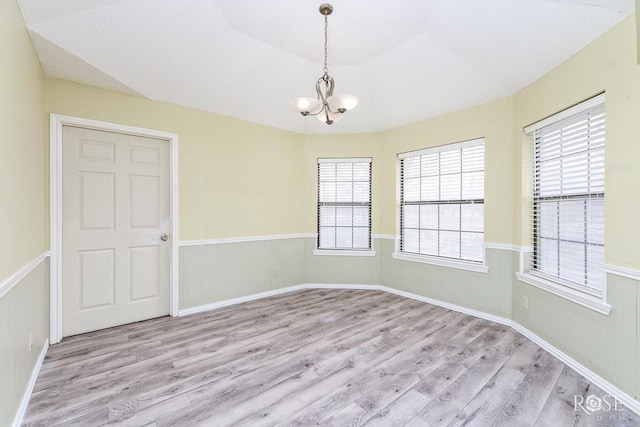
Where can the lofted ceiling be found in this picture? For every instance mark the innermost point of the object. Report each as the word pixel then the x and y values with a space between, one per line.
pixel 407 60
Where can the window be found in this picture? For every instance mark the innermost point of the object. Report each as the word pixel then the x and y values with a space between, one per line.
pixel 344 204
pixel 442 201
pixel 568 197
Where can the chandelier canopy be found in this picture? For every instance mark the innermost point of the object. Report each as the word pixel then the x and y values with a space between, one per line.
pixel 329 108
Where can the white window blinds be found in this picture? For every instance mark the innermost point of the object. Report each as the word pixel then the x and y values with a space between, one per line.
pixel 442 201
pixel 344 204
pixel 568 199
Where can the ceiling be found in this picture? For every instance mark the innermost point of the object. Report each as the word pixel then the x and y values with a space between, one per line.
pixel 407 60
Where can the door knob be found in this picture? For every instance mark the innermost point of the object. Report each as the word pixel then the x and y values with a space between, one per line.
pixel 164 237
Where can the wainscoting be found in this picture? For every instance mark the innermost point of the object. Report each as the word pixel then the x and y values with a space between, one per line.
pixel 220 270
pixel 214 274
pixel 217 271
pixel 607 347
pixel 24 335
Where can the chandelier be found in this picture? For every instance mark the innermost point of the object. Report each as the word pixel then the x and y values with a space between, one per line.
pixel 328 107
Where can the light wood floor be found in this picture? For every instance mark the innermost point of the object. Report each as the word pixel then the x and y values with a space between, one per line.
pixel 318 357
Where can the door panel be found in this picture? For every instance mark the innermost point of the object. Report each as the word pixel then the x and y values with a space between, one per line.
pixel 97 278
pixel 115 191
pixel 145 269
pixel 145 201
pixel 97 200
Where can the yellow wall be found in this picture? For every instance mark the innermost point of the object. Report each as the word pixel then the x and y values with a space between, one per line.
pixel 235 178
pixel 24 310
pixel 22 163
pixel 608 345
pixel 494 122
pixel 638 26
pixel 608 64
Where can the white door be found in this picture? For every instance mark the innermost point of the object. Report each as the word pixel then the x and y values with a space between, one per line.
pixel 115 211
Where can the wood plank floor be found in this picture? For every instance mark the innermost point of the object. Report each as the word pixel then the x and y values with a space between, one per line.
pixel 316 357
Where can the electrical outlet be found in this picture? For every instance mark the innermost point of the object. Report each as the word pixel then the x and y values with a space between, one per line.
pixel 525 302
pixel 30 341
pixel 274 273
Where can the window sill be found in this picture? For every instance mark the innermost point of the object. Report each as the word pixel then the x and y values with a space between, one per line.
pixel 442 262
pixel 346 252
pixel 585 300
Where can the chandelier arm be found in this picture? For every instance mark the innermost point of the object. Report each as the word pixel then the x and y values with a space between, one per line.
pixel 314 114
pixel 325 92
pixel 330 85
pixel 321 96
pixel 326 115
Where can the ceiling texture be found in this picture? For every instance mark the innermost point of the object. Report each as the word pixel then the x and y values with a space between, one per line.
pixel 407 60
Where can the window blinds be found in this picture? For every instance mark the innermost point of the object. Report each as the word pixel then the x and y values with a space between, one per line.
pixel 344 203
pixel 568 200
pixel 442 201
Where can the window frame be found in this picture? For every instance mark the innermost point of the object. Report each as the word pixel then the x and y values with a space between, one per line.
pixel 459 263
pixel 580 294
pixel 319 204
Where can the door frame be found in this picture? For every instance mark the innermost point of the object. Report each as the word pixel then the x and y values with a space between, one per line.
pixel 57 121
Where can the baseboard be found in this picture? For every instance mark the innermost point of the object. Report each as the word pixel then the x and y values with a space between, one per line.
pixel 628 401
pixel 22 409
pixel 343 286
pixel 471 312
pixel 239 300
pixel 605 385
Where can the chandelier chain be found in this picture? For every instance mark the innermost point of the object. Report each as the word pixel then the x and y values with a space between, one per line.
pixel 327 106
pixel 326 24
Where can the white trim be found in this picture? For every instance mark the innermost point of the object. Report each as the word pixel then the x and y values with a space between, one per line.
pixel 521 258
pixel 267 294
pixel 55 226
pixel 57 121
pixel 244 239
pixel 440 148
pixel 521 250
pixel 345 252
pixel 591 102
pixel 385 236
pixel 239 300
pixel 475 313
pixel 345 160
pixel 443 262
pixel 606 386
pixel 22 409
pixel 629 273
pixel 266 237
pixel 7 284
pixel 506 247
pixel 585 300
pixel 174 209
pixel 352 286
